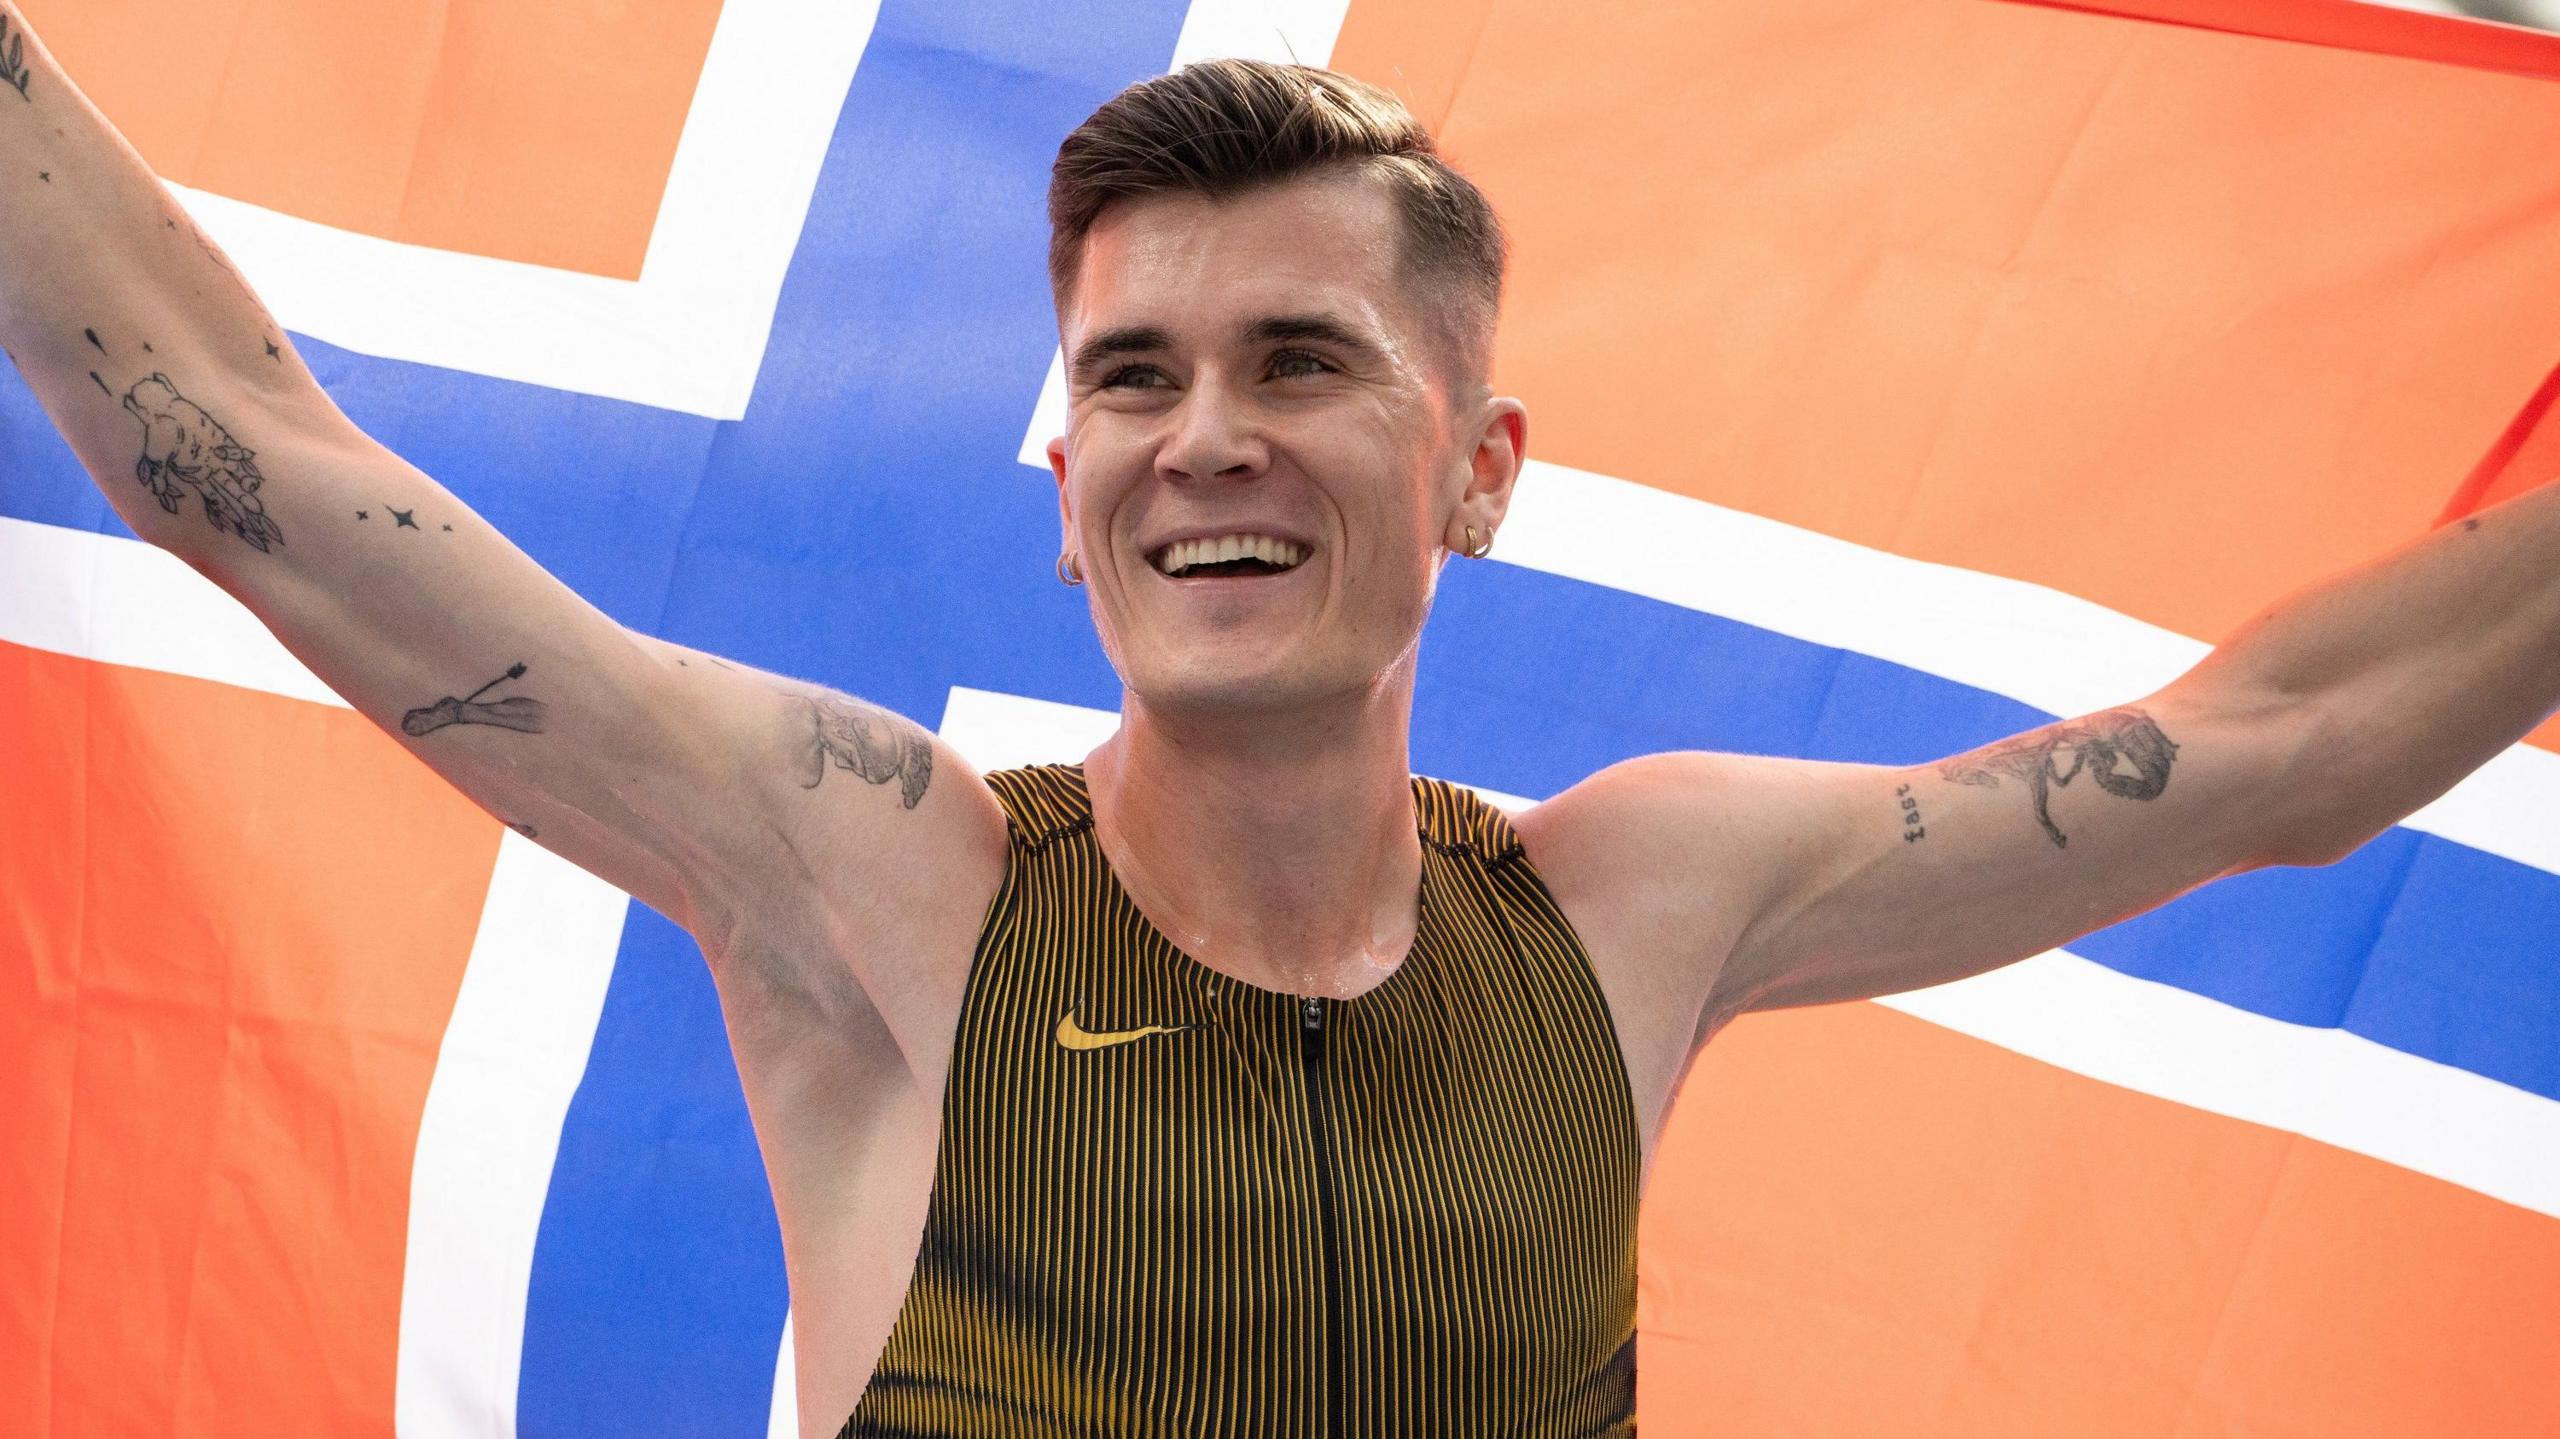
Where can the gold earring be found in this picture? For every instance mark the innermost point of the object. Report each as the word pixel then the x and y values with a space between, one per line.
pixel 1473 551
pixel 1069 572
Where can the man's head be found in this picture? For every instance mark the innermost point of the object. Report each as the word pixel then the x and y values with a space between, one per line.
pixel 1224 127
pixel 1277 304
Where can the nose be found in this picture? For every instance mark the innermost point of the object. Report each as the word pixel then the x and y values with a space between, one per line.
pixel 1216 434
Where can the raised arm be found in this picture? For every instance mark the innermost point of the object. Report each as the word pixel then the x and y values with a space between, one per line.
pixel 1766 882
pixel 676 777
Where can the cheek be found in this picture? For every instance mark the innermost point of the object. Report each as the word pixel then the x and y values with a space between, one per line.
pixel 1095 497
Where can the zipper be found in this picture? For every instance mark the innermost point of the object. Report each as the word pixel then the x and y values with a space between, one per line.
pixel 1311 1044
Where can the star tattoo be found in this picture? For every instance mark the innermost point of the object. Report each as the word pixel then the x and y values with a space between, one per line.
pixel 400 520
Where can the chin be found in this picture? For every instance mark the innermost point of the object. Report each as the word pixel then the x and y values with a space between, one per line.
pixel 1237 680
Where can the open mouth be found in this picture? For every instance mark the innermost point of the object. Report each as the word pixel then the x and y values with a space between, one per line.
pixel 1236 555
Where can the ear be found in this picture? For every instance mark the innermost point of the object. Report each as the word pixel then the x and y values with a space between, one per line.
pixel 1057 451
pixel 1493 467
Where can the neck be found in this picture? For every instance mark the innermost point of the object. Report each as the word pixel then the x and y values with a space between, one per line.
pixel 1281 852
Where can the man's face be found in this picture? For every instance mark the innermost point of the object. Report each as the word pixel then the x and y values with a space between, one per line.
pixel 1256 368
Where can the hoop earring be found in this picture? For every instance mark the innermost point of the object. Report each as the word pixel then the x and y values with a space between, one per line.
pixel 1473 551
pixel 1069 572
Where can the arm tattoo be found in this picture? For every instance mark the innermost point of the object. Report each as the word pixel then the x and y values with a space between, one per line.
pixel 184 446
pixel 2122 749
pixel 13 63
pixel 871 742
pixel 1913 831
pixel 515 712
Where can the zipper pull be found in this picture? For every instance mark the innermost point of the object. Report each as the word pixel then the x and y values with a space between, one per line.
pixel 1314 1012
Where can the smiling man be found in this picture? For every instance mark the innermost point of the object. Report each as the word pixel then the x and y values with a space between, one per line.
pixel 1236 1080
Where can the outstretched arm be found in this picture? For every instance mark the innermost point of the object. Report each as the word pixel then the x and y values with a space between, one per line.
pixel 2317 726
pixel 675 776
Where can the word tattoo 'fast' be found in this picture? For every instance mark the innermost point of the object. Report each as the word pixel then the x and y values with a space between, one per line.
pixel 2122 748
pixel 871 742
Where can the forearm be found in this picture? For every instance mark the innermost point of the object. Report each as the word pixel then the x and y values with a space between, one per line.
pixel 105 282
pixel 2404 675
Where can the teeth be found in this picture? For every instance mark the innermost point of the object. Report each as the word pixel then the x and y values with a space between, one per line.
pixel 1183 554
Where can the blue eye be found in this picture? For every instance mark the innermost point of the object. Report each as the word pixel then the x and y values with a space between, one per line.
pixel 1292 357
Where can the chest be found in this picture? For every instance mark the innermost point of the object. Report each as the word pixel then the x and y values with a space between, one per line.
pixel 1268 1205
pixel 1124 1163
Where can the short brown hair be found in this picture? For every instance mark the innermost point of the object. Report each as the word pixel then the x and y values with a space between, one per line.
pixel 1222 127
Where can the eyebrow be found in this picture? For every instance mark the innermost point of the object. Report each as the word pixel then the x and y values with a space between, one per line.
pixel 1270 329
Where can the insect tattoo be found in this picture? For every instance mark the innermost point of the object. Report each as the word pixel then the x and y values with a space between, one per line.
pixel 2121 749
pixel 871 742
pixel 515 712
pixel 1912 830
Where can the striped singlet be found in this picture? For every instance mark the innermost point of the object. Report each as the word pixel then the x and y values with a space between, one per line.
pixel 1168 1202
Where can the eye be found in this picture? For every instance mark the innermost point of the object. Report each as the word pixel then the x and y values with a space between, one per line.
pixel 1286 364
pixel 1116 380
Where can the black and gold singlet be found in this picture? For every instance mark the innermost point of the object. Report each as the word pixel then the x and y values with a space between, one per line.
pixel 1168 1202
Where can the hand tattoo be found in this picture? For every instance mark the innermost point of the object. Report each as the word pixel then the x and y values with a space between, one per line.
pixel 516 712
pixel 181 444
pixel 871 742
pixel 2100 744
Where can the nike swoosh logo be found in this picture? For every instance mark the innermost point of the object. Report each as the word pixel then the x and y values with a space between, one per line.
pixel 1072 1035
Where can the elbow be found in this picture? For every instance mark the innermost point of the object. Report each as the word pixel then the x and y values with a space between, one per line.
pixel 2314 847
pixel 2320 819
pixel 2307 807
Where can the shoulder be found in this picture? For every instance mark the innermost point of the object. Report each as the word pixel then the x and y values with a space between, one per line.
pixel 1611 847
pixel 874 852
pixel 1664 862
pixel 1653 863
pixel 1636 831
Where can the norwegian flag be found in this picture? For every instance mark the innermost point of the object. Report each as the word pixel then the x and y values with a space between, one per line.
pixel 1903 373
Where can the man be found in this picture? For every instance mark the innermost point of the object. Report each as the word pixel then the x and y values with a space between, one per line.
pixel 1235 1081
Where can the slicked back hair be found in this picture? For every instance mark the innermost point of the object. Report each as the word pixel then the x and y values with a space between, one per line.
pixel 1221 127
